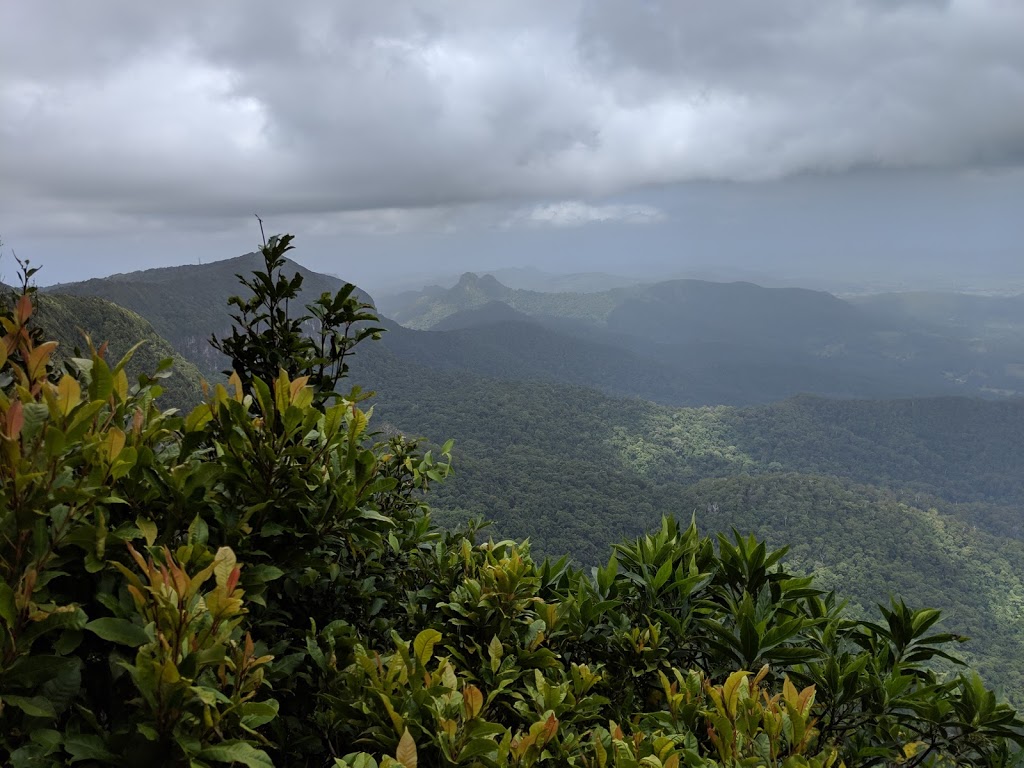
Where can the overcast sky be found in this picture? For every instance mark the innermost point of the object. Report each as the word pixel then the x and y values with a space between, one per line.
pixel 407 137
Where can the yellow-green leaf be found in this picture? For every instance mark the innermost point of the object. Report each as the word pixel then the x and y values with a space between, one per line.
pixel 423 645
pixel 147 528
pixel 236 382
pixel 114 443
pixel 198 418
pixel 69 394
pixel 121 385
pixel 223 565
pixel 911 749
pixel 282 391
pixel 495 651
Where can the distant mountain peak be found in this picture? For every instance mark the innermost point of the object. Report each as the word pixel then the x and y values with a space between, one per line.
pixel 488 285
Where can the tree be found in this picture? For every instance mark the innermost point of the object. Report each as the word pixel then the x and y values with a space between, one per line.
pixel 270 337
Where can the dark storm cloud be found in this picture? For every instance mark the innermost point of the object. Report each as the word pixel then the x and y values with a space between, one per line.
pixel 118 112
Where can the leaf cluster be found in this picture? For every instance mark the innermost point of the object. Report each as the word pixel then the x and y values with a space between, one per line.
pixel 269 335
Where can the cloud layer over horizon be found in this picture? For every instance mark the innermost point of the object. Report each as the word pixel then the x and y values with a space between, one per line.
pixel 123 115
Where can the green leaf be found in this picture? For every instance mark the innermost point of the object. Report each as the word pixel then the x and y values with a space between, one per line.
pixel 46 737
pixel 82 421
pixel 67 617
pixel 495 651
pixel 257 574
pixel 102 384
pixel 423 645
pixel 237 752
pixel 199 417
pixel 129 355
pixel 8 607
pixel 29 671
pixel 355 760
pixel 83 747
pixel 333 418
pixel 198 531
pixel 147 528
pixel 477 748
pixel 663 575
pixel 119 631
pixel 35 415
pixel 264 399
pixel 29 755
pixel 33 706
pixel 63 688
pixel 257 713
pixel 369 514
pixel 124 463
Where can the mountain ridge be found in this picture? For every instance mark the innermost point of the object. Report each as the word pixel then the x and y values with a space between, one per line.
pixel 188 303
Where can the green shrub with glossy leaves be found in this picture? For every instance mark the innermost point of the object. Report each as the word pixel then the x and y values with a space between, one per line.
pixel 107 654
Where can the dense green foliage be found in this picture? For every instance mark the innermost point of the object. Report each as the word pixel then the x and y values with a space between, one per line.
pixel 576 471
pixel 959 449
pixel 259 582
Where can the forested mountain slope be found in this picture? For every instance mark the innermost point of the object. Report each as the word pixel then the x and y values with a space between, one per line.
pixel 966 452
pixel 674 310
pixel 187 304
pixel 488 342
pixel 959 448
pixel 65 319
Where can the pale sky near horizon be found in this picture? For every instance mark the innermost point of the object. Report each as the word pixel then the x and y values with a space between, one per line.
pixel 797 137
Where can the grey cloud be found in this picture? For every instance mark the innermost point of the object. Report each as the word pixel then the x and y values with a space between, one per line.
pixel 123 110
pixel 574 213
